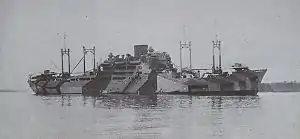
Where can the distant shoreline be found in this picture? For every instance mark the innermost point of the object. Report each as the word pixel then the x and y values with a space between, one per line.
pixel 7 90
pixel 279 87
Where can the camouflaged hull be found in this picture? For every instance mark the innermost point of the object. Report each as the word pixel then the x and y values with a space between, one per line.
pixel 236 84
pixel 101 83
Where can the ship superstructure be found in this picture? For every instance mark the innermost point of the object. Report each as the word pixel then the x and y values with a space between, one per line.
pixel 124 74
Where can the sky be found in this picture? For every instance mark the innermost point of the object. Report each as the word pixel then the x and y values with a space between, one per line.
pixel 258 33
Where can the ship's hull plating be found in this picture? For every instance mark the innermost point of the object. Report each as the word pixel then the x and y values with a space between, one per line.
pixel 61 87
pixel 145 85
pixel 237 84
pixel 73 87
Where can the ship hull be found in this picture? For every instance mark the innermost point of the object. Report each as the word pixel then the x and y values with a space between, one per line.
pixel 146 85
pixel 236 84
pixel 56 88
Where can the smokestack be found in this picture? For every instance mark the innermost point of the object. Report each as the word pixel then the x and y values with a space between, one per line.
pixel 140 50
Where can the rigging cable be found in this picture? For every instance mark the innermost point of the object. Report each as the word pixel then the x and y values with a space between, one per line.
pixel 77 64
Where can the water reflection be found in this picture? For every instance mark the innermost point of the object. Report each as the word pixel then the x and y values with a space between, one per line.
pixel 154 101
pixel 219 102
pixel 66 100
pixel 92 99
pixel 127 101
pixel 165 116
pixel 220 106
pixel 104 101
pixel 216 103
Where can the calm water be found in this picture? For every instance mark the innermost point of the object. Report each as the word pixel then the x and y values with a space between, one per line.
pixel 268 116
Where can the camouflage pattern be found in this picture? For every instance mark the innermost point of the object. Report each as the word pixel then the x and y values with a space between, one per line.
pixel 238 83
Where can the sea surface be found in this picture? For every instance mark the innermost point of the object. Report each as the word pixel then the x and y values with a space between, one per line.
pixel 267 116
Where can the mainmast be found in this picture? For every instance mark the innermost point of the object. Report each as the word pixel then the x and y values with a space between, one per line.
pixel 185 44
pixel 217 44
pixel 93 51
pixel 64 51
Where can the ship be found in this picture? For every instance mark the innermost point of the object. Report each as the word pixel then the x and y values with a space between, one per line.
pixel 149 72
pixel 238 80
pixel 118 74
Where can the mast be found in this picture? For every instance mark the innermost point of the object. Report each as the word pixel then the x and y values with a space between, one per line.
pixel 220 57
pixel 64 51
pixel 62 60
pixel 93 51
pixel 84 53
pixel 190 49
pixel 213 66
pixel 217 44
pixel 180 57
pixel 69 61
pixel 94 54
pixel 65 37
pixel 186 44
